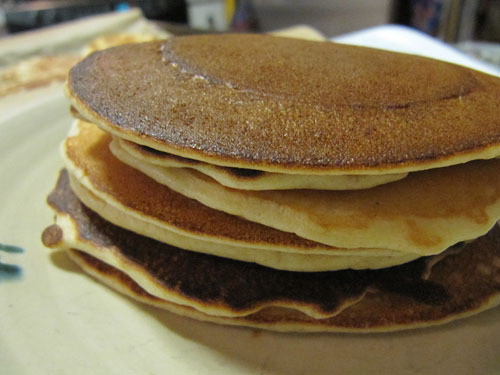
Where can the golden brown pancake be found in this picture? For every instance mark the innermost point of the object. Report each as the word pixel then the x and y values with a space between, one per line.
pixel 424 213
pixel 267 254
pixel 252 179
pixel 424 292
pixel 290 106
pixel 117 192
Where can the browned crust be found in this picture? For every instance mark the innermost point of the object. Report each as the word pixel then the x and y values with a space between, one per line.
pixel 461 281
pixel 52 236
pixel 463 274
pixel 209 280
pixel 286 105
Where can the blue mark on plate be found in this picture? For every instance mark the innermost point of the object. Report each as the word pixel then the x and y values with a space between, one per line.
pixel 10 271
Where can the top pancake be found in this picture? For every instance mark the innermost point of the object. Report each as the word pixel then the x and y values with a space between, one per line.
pixel 290 106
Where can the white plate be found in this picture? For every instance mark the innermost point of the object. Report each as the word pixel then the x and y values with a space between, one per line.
pixel 55 320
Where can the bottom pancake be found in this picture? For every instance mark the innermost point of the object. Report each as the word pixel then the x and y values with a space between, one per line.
pixel 428 291
pixel 375 313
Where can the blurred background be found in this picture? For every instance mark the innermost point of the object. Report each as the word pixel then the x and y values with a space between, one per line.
pixel 465 23
pixel 450 20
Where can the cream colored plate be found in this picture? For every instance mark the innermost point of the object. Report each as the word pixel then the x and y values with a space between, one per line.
pixel 56 320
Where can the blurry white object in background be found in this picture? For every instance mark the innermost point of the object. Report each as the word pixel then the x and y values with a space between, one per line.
pixel 207 15
pixel 71 36
pixel 408 40
pixel 330 17
pixel 486 51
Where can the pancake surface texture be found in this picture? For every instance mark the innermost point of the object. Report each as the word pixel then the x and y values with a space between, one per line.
pixel 242 101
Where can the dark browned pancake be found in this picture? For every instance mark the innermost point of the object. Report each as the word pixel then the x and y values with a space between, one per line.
pixel 427 291
pixel 357 318
pixel 286 105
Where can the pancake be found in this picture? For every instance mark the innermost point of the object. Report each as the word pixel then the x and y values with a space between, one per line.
pixel 252 179
pixel 35 72
pixel 352 319
pixel 423 214
pixel 79 227
pixel 116 192
pixel 290 106
pixel 271 255
pixel 430 290
pixel 179 239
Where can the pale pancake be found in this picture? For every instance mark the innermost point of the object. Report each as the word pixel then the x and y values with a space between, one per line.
pixel 290 106
pixel 42 70
pixel 424 292
pixel 252 179
pixel 134 201
pixel 423 214
pixel 35 72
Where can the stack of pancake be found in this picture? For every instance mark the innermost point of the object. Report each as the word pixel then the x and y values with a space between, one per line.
pixel 284 184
